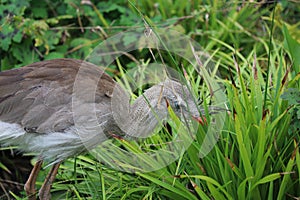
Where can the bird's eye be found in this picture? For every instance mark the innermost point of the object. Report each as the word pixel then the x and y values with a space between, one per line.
pixel 177 106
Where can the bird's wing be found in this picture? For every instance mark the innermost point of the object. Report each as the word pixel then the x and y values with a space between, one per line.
pixel 39 96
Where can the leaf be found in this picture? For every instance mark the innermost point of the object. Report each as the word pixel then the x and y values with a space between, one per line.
pixel 293 47
pixel 292 95
pixel 268 178
pixel 18 37
pixel 54 55
pixel 22 52
pixel 40 12
pixel 5 35
pixel 5 43
pixel 57 19
pixel 108 7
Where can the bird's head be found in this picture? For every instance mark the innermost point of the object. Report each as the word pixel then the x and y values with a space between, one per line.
pixel 149 109
pixel 180 98
pixel 157 100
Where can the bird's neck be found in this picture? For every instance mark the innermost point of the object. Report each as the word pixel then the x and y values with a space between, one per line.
pixel 147 112
pixel 142 117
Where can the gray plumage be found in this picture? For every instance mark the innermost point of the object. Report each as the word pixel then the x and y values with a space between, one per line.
pixel 45 108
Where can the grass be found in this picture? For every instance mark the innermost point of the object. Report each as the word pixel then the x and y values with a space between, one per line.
pixel 255 157
pixel 257 153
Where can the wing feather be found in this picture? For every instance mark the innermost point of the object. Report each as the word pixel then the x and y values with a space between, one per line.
pixel 39 96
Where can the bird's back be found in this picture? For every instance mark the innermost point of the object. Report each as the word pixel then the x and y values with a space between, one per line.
pixel 39 96
pixel 36 102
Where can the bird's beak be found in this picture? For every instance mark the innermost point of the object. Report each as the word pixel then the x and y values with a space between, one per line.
pixel 202 120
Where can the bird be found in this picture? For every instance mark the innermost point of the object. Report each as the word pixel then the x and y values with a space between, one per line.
pixel 45 107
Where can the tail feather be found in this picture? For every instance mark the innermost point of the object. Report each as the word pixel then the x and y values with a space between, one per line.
pixel 10 134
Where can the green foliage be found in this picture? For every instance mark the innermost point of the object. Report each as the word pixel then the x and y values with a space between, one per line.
pixel 37 30
pixel 292 95
pixel 293 47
